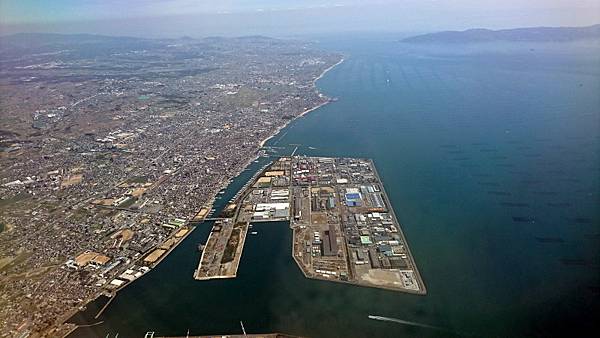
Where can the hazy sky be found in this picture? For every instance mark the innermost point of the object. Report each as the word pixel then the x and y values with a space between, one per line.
pixel 197 18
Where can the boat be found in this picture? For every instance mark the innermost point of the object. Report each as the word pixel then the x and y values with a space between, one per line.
pixel 200 247
pixel 254 233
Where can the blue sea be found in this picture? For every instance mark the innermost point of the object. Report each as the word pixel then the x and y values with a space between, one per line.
pixel 490 154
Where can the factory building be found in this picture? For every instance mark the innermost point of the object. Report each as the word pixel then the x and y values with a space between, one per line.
pixel 374 258
pixel 90 258
pixel 266 211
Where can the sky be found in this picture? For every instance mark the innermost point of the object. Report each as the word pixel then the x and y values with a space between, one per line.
pixel 198 18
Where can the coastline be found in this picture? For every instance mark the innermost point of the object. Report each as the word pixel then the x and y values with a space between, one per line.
pixel 113 293
pixel 423 290
pixel 211 200
pixel 328 69
pixel 306 111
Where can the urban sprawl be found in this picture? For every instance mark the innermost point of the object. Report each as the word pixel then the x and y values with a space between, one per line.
pixel 111 149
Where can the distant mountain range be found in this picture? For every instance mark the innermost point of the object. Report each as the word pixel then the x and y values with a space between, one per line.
pixel 28 39
pixel 92 44
pixel 533 34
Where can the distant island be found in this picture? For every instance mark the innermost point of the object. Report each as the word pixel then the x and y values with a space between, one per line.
pixel 533 34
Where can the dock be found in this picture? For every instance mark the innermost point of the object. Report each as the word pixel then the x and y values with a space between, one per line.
pixel 344 227
pixel 222 253
pixel 223 250
pixel 151 334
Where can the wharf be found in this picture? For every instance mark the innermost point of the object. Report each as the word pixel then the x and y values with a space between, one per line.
pixel 223 250
pixel 263 335
pixel 344 227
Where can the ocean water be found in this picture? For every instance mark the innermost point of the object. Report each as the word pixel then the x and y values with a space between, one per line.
pixel 491 158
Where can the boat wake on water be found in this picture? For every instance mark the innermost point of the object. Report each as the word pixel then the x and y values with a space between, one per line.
pixel 406 322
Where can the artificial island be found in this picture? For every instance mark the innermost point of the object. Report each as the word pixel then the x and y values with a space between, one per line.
pixel 344 227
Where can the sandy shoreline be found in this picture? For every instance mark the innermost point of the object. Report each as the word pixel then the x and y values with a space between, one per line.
pixel 262 143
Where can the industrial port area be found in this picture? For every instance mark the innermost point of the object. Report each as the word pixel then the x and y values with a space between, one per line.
pixel 344 227
pixel 264 198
